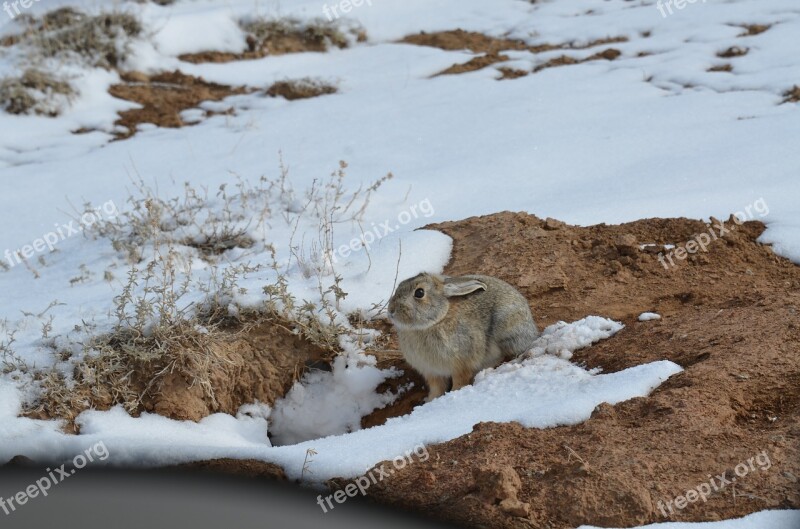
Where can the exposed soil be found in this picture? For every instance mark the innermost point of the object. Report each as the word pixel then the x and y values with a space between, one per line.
pixel 490 48
pixel 163 97
pixel 472 65
pixel 248 468
pixel 754 29
pixel 793 95
pixel 609 54
pixel 729 318
pixel 459 39
pixel 721 68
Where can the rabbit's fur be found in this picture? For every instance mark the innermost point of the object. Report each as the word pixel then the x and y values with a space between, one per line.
pixel 459 326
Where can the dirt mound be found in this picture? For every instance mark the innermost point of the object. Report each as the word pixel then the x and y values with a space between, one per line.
pixel 729 318
pixel 266 361
pixel 256 362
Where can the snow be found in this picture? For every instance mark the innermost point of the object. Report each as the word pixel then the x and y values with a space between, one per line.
pixel 561 339
pixel 538 391
pixel 330 403
pixel 649 316
pixel 758 520
pixel 651 134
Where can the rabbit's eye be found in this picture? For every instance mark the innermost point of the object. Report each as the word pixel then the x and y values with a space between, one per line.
pixel 419 293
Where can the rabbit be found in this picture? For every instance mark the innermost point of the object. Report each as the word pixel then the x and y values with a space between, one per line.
pixel 453 327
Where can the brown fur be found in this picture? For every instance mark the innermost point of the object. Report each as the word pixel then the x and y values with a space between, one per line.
pixel 459 326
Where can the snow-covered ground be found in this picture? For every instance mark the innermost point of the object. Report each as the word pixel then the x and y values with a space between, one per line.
pixel 651 134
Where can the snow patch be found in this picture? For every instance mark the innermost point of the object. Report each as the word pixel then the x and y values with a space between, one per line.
pixel 331 403
pixel 649 316
pixel 562 339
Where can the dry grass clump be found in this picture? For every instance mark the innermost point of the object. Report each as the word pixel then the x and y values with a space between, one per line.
pixel 64 34
pixel 300 89
pixel 171 326
pixel 101 40
pixel 288 35
pixel 34 92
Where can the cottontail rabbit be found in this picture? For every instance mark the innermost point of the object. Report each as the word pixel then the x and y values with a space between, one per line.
pixel 453 327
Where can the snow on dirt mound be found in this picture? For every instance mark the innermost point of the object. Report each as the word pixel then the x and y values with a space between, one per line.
pixel 541 392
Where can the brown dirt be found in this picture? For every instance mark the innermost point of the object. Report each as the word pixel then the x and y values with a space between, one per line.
pixel 729 318
pixel 459 39
pixel 511 73
pixel 609 54
pixel 490 47
pixel 721 68
pixel 793 95
pixel 478 63
pixel 754 29
pixel 164 97
pixel 240 467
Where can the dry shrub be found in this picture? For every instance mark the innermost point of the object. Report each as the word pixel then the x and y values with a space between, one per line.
pixel 300 89
pixel 34 92
pixel 101 40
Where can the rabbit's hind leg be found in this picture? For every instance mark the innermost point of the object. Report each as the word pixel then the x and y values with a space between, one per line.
pixel 437 385
pixel 462 376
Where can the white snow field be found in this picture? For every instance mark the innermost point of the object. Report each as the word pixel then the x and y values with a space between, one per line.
pixel 650 134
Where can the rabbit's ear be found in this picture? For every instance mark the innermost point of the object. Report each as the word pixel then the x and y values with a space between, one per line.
pixel 454 286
